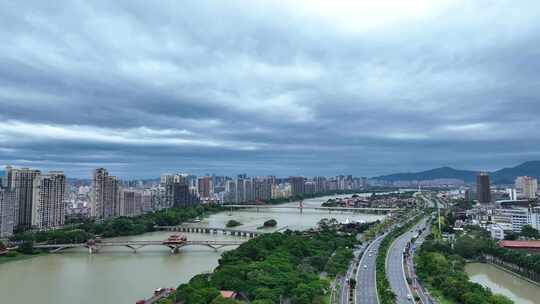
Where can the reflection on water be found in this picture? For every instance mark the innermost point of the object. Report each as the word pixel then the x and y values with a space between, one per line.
pixel 501 282
pixel 116 275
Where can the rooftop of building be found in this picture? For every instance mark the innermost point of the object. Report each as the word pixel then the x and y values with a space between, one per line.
pixel 520 244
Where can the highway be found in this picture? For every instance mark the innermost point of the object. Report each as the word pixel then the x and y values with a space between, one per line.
pixel 366 285
pixel 422 294
pixel 395 271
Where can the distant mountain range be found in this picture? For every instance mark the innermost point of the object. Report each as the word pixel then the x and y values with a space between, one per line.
pixel 502 176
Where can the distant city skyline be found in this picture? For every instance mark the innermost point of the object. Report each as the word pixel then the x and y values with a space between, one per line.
pixel 269 87
pixel 149 176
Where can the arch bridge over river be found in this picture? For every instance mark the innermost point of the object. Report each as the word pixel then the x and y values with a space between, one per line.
pixel 173 244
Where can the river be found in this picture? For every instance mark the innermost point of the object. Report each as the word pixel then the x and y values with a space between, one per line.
pixel 120 276
pixel 518 290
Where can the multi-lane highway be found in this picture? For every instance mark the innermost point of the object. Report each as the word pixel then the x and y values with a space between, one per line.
pixel 395 272
pixel 366 285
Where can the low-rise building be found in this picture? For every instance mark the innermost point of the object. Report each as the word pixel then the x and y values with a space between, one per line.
pixel 533 246
pixel 517 217
pixel 496 231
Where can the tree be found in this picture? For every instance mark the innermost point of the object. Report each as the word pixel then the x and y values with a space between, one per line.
pixel 221 300
pixel 529 232
pixel 511 236
pixel 468 247
pixel 232 223
pixel 26 247
pixel 270 223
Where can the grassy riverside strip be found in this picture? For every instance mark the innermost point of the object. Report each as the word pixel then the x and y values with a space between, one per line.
pixel 386 296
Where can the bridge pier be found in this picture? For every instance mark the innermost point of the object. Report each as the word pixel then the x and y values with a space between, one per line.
pixel 93 249
pixel 134 248
pixel 175 249
pixel 215 248
pixel 58 249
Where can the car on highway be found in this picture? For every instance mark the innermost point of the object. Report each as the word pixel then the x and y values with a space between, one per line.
pixel 365 266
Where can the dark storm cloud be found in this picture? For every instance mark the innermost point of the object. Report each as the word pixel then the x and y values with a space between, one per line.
pixel 264 87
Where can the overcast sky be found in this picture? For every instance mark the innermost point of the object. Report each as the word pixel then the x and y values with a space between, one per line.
pixel 306 87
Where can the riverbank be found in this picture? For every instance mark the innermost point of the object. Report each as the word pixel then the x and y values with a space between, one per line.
pixel 19 257
pixel 500 281
pixel 509 271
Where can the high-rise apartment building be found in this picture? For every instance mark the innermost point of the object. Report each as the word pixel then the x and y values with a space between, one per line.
pixel 48 208
pixel 204 186
pixel 281 190
pixel 105 197
pixel 519 183
pixel 483 188
pixel 249 190
pixel 178 190
pixel 364 182
pixel 130 202
pixel 529 186
pixel 309 187
pixel 230 192
pixel 21 182
pixel 167 183
pixel 320 184
pixel 297 184
pixel 240 191
pixel 262 187
pixel 146 205
pixel 159 199
pixel 7 212
pixel 183 196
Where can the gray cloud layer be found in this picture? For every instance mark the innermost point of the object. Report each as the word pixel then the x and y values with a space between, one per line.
pixel 267 87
